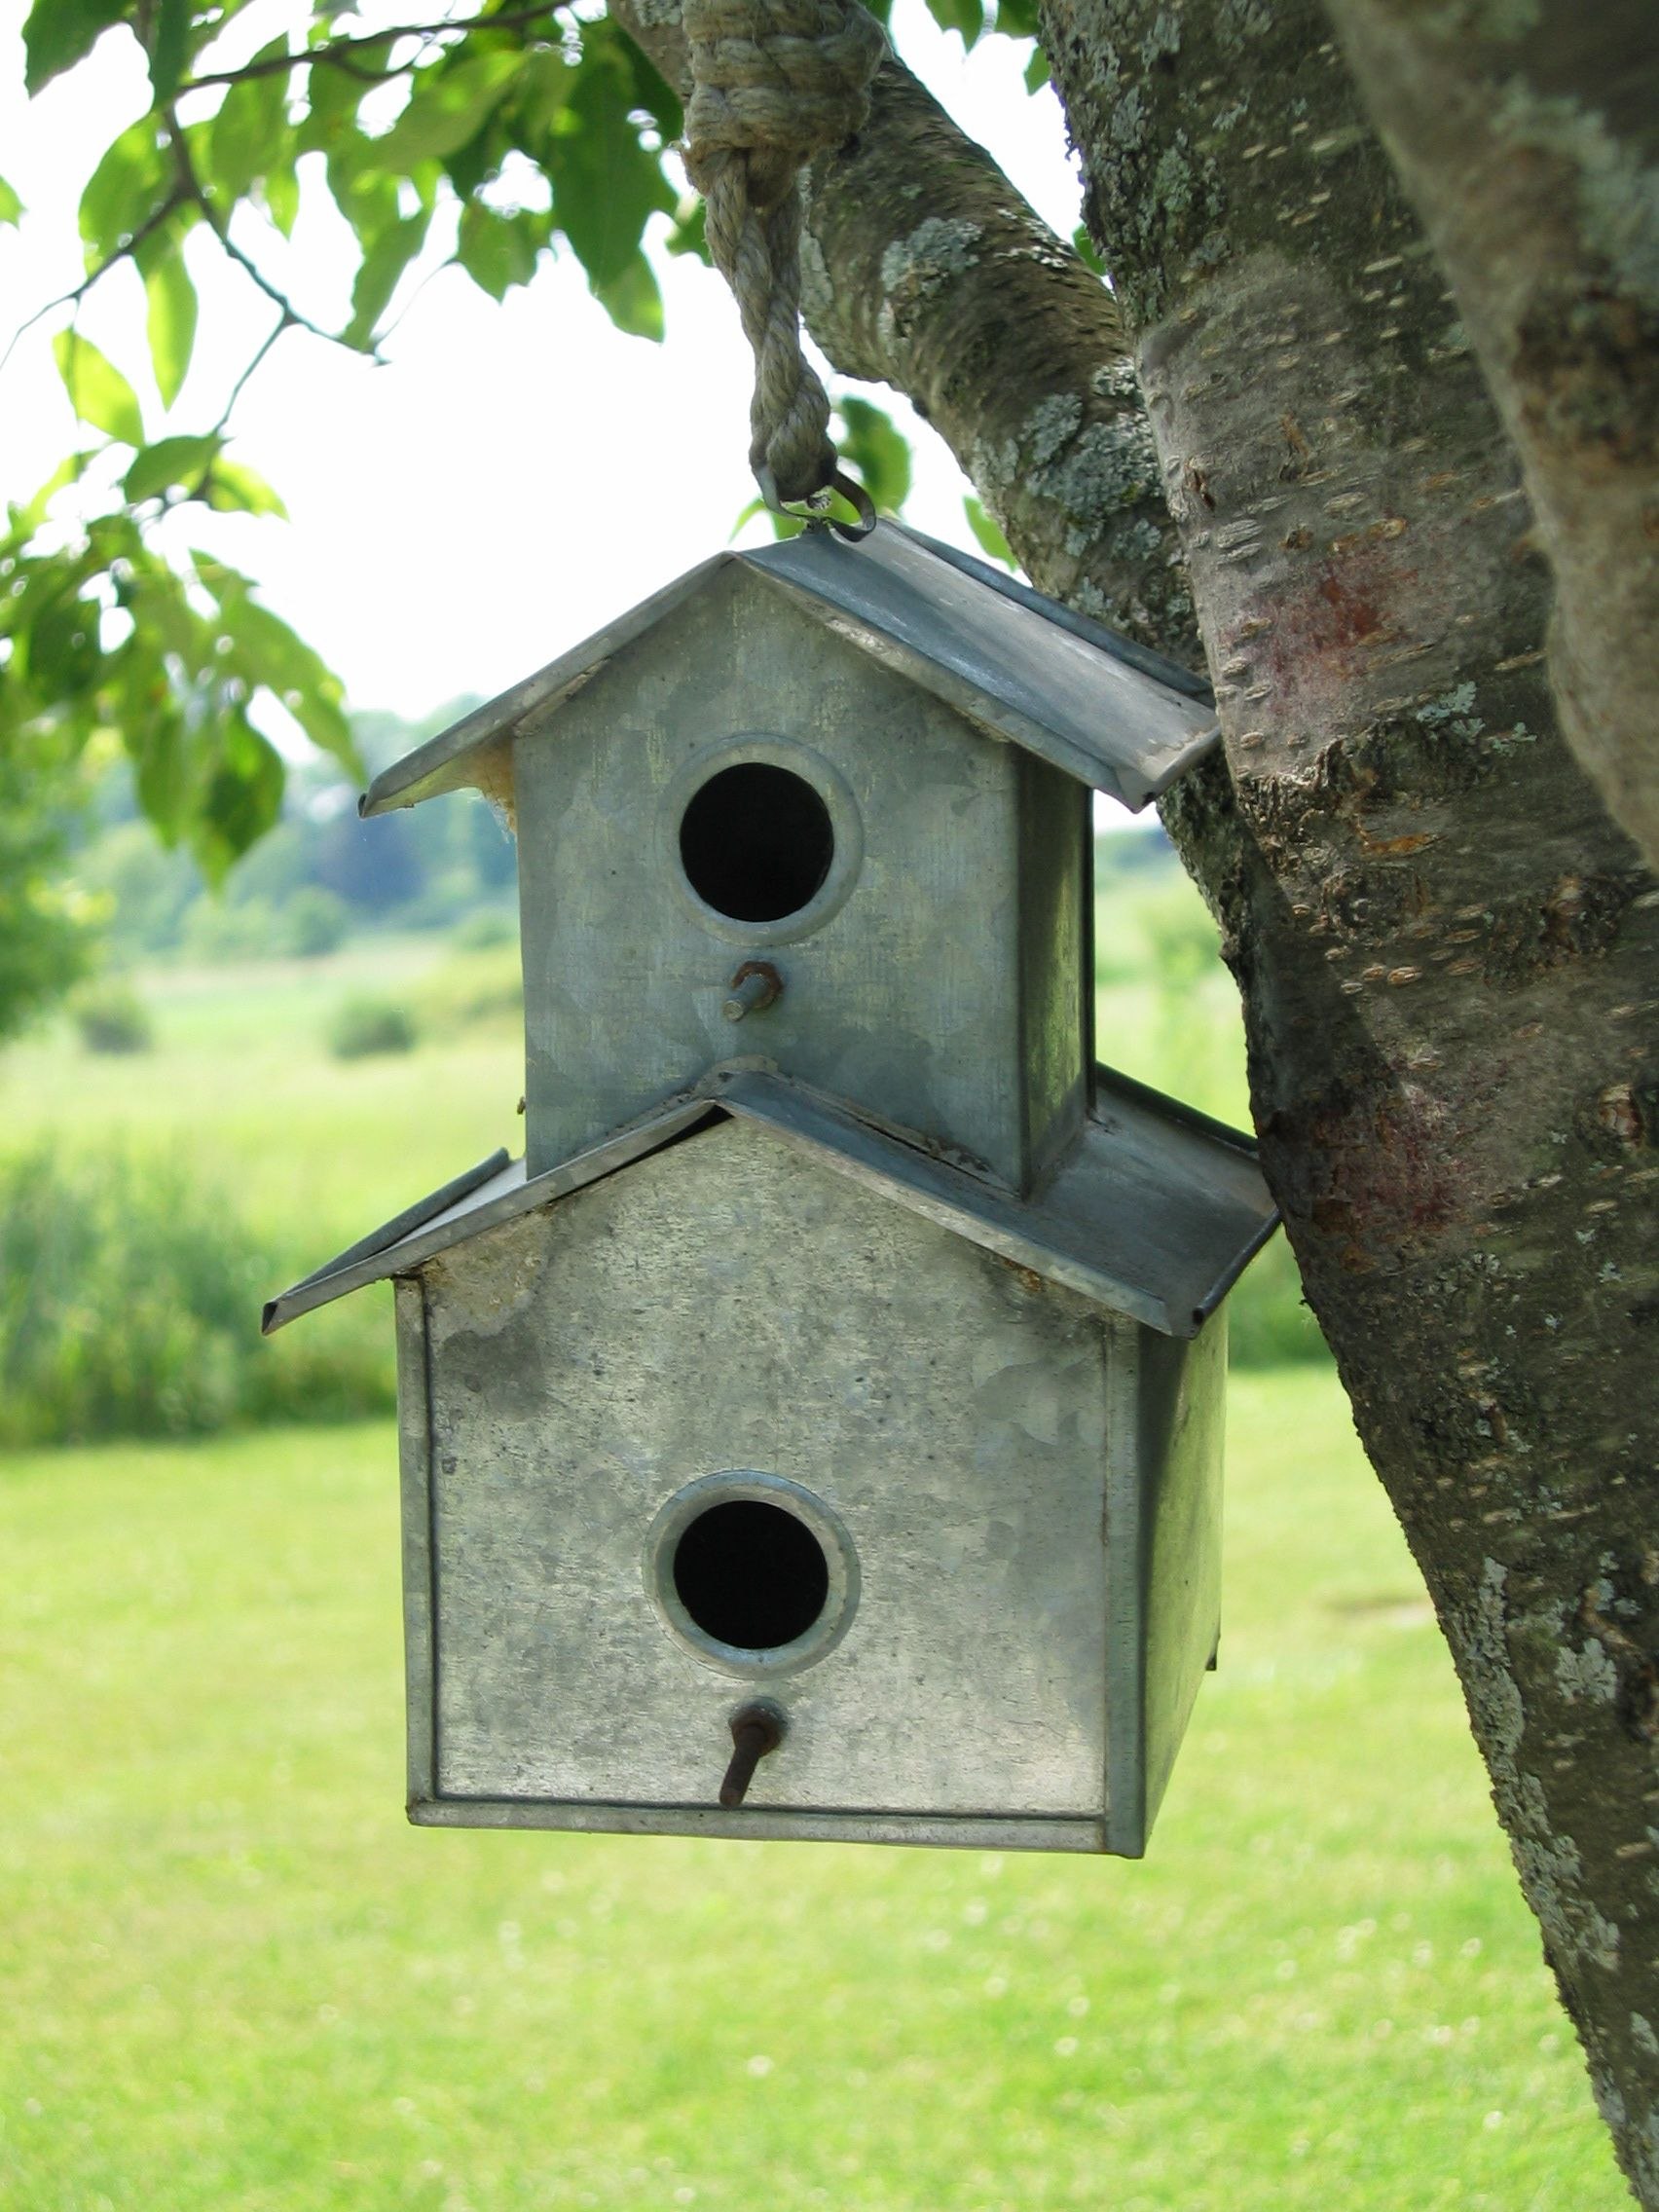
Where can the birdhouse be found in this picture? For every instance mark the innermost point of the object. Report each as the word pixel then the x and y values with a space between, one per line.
pixel 818 1432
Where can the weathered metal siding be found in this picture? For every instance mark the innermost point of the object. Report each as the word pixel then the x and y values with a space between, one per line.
pixel 917 999
pixel 1165 1524
pixel 730 1303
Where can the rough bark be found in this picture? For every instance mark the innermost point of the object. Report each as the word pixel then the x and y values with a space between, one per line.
pixel 924 268
pixel 1449 956
pixel 1529 139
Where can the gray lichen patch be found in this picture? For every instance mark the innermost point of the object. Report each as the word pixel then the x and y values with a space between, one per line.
pixel 918 265
pixel 937 249
pixel 1589 1674
pixel 1105 467
pixel 1051 422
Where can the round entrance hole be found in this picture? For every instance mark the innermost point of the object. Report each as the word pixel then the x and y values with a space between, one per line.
pixel 757 843
pixel 751 1574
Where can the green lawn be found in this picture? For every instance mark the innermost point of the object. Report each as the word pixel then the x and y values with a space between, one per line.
pixel 232 1977
pixel 241 1081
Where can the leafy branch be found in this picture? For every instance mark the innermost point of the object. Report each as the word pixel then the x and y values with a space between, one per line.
pixel 340 54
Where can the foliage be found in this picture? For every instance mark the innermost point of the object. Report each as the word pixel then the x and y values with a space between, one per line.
pixel 46 926
pixel 110 1018
pixel 1320 1992
pixel 544 130
pixel 485 929
pixel 130 1296
pixel 314 922
pixel 365 1025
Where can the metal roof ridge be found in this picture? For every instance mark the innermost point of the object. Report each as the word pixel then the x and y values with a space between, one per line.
pixel 1017 1228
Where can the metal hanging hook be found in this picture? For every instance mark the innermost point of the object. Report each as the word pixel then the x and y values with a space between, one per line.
pixel 815 517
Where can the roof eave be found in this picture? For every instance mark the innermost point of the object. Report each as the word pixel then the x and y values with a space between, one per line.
pixel 445 762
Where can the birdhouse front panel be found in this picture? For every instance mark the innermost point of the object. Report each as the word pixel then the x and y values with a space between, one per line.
pixel 745 799
pixel 728 1424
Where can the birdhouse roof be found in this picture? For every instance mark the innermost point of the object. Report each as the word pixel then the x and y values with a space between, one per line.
pixel 1155 1212
pixel 1018 666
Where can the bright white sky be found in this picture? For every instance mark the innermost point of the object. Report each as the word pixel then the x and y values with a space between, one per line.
pixel 515 475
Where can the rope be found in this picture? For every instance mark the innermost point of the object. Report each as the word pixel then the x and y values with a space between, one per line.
pixel 774 82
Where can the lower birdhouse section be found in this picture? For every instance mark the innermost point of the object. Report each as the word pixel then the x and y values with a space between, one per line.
pixel 728 1478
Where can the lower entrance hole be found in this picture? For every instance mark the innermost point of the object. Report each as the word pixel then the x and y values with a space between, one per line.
pixel 751 1574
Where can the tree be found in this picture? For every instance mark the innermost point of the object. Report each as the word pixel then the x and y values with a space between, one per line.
pixel 1300 427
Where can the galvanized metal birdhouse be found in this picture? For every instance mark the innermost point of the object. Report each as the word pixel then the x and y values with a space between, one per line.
pixel 818 1432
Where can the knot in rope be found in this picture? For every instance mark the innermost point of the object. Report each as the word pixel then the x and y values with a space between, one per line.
pixel 774 82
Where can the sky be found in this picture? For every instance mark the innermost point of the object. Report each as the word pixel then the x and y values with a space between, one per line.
pixel 515 475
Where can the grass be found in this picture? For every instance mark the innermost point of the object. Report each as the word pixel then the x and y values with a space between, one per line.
pixel 232 1977
pixel 317 1150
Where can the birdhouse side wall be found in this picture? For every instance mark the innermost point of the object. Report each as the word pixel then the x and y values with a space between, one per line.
pixel 728 1305
pixel 935 980
pixel 1164 1514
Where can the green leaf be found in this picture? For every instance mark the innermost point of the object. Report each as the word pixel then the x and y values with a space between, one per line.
pixel 127 186
pixel 241 795
pixel 968 16
pixel 606 185
pixel 234 488
pixel 652 91
pixel 633 301
pixel 169 461
pixel 58 33
pixel 171 323
pixel 1037 71
pixel 545 82
pixel 689 234
pixel 446 108
pixel 152 732
pixel 169 45
pixel 97 390
pixel 1086 253
pixel 63 653
pixel 279 190
pixel 248 136
pixel 497 250
pixel 880 453
pixel 10 206
pixel 1017 19
pixel 990 538
pixel 266 653
pixel 376 279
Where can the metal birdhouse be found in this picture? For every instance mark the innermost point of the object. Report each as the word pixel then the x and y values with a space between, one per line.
pixel 818 1432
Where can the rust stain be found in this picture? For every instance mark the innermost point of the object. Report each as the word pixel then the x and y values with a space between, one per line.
pixel 1028 1277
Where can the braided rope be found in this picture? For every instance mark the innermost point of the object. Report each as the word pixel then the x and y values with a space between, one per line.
pixel 774 82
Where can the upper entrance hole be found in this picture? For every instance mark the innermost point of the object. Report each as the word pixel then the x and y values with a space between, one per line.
pixel 755 842
pixel 751 1574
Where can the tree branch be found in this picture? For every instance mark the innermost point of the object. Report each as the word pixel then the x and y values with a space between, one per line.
pixel 925 270
pixel 151 223
pixel 1529 148
pixel 337 54
pixel 190 188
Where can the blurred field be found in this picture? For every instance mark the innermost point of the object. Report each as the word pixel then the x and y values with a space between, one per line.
pixel 232 1977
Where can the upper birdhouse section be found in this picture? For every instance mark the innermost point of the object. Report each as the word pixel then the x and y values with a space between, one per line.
pixel 839 793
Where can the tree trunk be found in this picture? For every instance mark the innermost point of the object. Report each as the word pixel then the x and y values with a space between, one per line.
pixel 1529 140
pixel 1449 956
